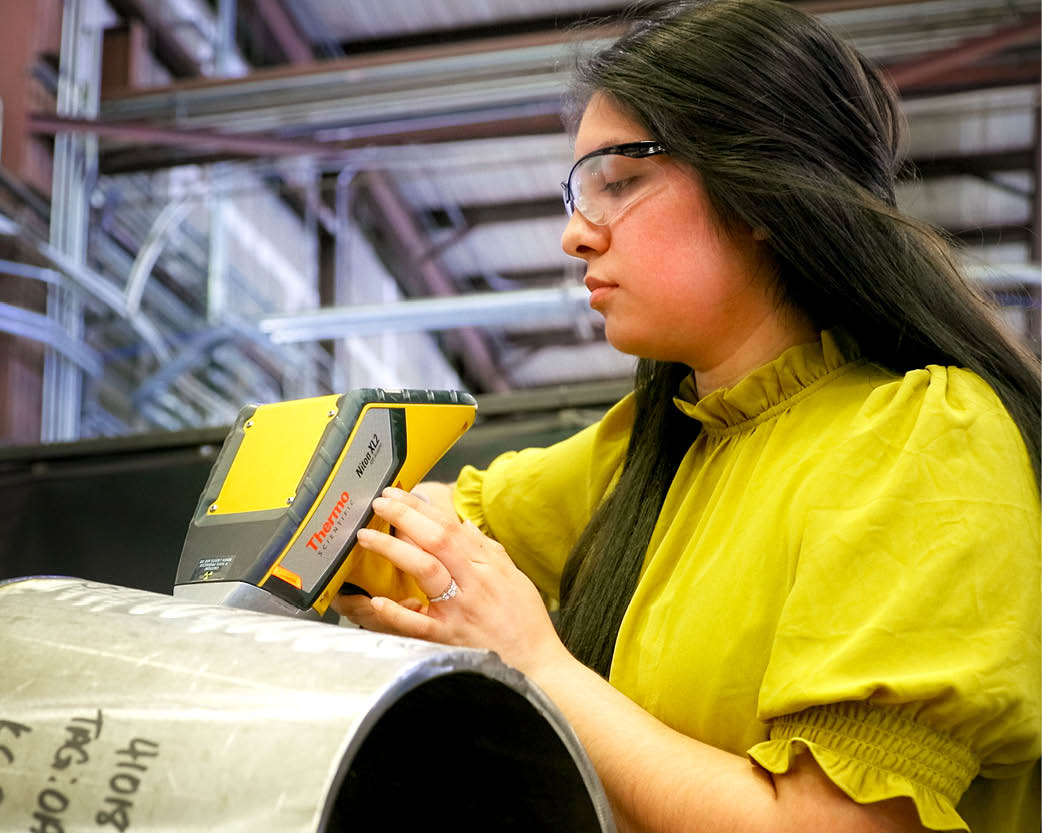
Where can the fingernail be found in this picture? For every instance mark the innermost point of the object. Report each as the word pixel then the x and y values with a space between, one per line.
pixel 391 491
pixel 380 503
pixel 365 532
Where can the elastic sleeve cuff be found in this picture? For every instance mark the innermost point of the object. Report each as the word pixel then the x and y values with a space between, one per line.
pixel 873 753
pixel 467 500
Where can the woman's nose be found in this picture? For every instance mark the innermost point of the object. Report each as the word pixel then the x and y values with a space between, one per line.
pixel 581 238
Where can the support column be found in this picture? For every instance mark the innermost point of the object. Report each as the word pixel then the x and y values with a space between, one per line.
pixel 75 168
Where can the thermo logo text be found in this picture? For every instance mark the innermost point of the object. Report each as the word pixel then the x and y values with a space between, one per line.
pixel 330 522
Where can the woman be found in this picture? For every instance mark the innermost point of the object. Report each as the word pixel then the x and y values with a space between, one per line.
pixel 798 568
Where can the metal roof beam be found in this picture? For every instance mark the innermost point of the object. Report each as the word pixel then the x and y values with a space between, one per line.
pixel 608 21
pixel 992 235
pixel 504 212
pixel 511 63
pixel 1024 70
pixel 157 145
pixel 169 51
pixel 212 141
pixel 968 52
pixel 475 351
pixel 519 278
pixel 356 90
pixel 283 31
pixel 977 164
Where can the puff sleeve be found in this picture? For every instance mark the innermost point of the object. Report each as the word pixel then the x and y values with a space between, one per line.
pixel 537 502
pixel 906 657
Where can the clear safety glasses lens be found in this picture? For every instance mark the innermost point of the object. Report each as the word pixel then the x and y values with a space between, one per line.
pixel 604 183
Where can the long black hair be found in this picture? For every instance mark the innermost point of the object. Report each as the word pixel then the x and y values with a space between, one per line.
pixel 793 133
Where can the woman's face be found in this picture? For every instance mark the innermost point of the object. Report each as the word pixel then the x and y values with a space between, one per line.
pixel 671 283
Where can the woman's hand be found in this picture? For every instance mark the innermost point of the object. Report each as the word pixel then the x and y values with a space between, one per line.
pixel 657 779
pixel 494 607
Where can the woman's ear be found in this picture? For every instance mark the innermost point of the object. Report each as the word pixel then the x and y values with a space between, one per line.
pixel 760 234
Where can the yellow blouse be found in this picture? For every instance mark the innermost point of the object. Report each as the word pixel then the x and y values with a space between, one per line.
pixel 847 561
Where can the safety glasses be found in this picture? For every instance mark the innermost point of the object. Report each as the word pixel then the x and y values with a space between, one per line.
pixel 607 181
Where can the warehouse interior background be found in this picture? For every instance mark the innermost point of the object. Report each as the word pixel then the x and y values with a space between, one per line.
pixel 206 203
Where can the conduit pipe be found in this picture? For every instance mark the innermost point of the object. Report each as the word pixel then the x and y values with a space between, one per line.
pixel 479 309
pixel 36 327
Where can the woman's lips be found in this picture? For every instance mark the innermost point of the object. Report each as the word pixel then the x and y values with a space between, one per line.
pixel 599 290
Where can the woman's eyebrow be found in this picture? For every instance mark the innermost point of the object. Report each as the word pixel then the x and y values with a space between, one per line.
pixel 611 142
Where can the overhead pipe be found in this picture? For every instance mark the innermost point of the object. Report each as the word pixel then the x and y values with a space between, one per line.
pixel 32 325
pixel 226 57
pixel 171 215
pixel 561 306
pixel 89 281
pixel 200 33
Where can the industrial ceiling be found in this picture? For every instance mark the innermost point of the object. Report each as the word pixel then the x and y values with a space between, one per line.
pixel 295 197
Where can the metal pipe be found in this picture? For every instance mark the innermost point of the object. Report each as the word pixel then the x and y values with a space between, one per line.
pixel 111 296
pixel 217 265
pixel 225 51
pixel 26 270
pixel 32 325
pixel 478 309
pixel 148 254
pixel 142 712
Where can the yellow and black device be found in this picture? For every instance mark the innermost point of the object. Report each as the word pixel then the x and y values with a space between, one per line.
pixel 276 526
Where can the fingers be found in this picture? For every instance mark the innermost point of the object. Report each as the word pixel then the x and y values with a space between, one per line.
pixel 358 609
pixel 405 622
pixel 385 616
pixel 429 527
pixel 430 574
pixel 355 605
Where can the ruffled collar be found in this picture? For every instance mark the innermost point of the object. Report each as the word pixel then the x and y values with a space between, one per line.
pixel 770 388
